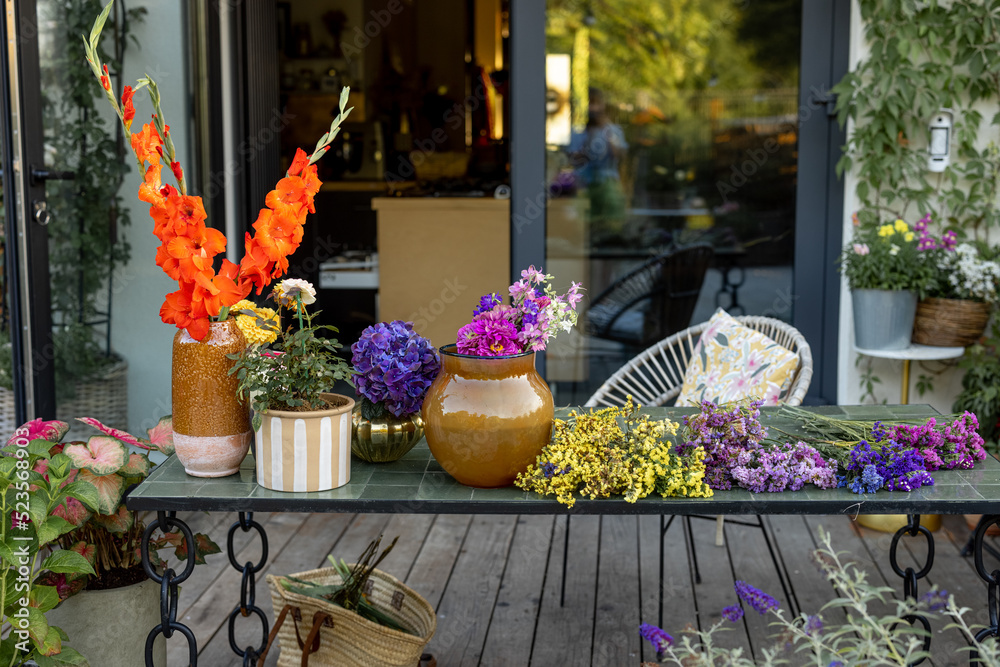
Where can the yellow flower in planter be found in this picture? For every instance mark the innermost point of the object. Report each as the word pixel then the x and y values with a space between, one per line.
pixel 901 226
pixel 261 327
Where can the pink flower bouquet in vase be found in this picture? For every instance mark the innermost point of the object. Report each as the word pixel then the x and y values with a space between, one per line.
pixel 488 413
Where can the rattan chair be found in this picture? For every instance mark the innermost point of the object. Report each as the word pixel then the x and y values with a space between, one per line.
pixel 656 376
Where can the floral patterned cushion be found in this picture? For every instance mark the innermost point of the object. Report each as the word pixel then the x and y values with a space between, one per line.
pixel 732 362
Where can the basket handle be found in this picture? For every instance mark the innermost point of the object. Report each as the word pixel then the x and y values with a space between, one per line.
pixel 312 640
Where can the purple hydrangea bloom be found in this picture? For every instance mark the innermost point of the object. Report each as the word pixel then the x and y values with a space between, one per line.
pixel 756 598
pixel 732 613
pixel 395 366
pixel 660 640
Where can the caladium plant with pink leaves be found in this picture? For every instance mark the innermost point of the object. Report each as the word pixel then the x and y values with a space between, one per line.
pixel 109 535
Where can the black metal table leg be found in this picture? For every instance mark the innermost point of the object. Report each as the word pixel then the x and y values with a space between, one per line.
pixel 910 577
pixel 248 589
pixel 169 581
pixel 969 547
pixel 993 583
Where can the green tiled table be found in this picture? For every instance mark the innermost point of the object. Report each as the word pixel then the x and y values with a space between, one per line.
pixel 417 484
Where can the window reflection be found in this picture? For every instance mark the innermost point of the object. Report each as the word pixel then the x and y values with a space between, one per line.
pixel 670 125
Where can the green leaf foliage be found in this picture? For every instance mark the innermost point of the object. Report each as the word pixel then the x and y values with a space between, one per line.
pixel 65 561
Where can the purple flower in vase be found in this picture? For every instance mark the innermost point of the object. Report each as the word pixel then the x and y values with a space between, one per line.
pixel 394 366
pixel 487 303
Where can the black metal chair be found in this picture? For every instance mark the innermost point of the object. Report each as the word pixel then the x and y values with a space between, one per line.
pixel 667 286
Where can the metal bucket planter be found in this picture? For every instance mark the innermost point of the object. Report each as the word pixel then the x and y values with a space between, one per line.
pixel 883 319
pixel 94 621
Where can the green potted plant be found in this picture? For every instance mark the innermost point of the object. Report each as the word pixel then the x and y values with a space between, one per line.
pixel 36 482
pixel 288 383
pixel 886 273
pixel 108 535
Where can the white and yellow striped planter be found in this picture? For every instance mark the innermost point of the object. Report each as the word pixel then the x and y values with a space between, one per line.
pixel 305 451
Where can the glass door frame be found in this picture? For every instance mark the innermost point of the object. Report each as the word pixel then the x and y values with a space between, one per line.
pixel 26 248
pixel 819 211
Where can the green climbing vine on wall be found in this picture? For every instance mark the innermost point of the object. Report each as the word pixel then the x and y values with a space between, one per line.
pixel 924 57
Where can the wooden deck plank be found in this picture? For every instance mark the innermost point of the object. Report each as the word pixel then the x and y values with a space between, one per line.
pixel 716 590
pixel 564 633
pixel 810 587
pixel 432 568
pixel 513 622
pixel 751 562
pixel 412 530
pixel 678 594
pixel 616 621
pixel 468 600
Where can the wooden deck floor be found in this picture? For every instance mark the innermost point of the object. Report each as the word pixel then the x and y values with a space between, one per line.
pixel 495 580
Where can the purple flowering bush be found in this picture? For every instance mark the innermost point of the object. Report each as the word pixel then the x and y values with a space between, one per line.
pixel 847 632
pixel 395 367
pixel 536 314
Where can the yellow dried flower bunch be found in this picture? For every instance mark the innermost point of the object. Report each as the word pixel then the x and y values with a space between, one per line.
pixel 599 456
pixel 260 327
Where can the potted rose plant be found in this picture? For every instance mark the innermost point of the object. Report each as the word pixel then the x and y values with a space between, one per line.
pixel 488 414
pixel 959 303
pixel 94 604
pixel 288 385
pixel 394 367
pixel 886 273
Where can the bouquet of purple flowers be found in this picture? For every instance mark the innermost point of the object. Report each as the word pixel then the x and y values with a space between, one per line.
pixel 395 366
pixel 536 314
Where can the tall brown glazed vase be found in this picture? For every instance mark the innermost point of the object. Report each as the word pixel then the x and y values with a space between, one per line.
pixel 211 425
pixel 487 418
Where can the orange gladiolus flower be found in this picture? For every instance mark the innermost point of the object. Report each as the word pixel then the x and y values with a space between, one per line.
pixel 145 143
pixel 255 268
pixel 106 79
pixel 290 191
pixel 194 253
pixel 300 162
pixel 149 191
pixel 128 109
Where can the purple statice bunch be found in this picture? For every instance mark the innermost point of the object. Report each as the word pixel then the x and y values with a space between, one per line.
pixel 658 637
pixel 953 445
pixel 724 432
pixel 536 314
pixel 888 465
pixel 783 468
pixel 756 598
pixel 395 366
pixel 732 613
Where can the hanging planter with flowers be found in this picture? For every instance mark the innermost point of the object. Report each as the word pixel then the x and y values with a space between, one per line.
pixel 959 304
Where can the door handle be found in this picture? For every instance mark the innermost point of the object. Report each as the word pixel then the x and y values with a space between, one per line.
pixel 40 212
pixel 39 176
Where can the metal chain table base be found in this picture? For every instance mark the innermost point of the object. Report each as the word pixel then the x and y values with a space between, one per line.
pixel 168 522
pixel 170 581
pixel 992 580
pixel 248 589
pixel 910 576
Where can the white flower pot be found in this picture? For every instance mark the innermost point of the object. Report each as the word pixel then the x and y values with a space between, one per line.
pixel 305 451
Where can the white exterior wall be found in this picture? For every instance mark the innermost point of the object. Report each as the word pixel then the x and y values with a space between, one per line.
pixel 140 286
pixel 947 384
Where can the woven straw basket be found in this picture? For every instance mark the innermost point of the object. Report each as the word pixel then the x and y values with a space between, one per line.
pixel 343 638
pixel 950 322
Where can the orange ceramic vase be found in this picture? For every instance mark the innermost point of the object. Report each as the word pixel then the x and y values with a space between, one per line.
pixel 487 418
pixel 211 425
